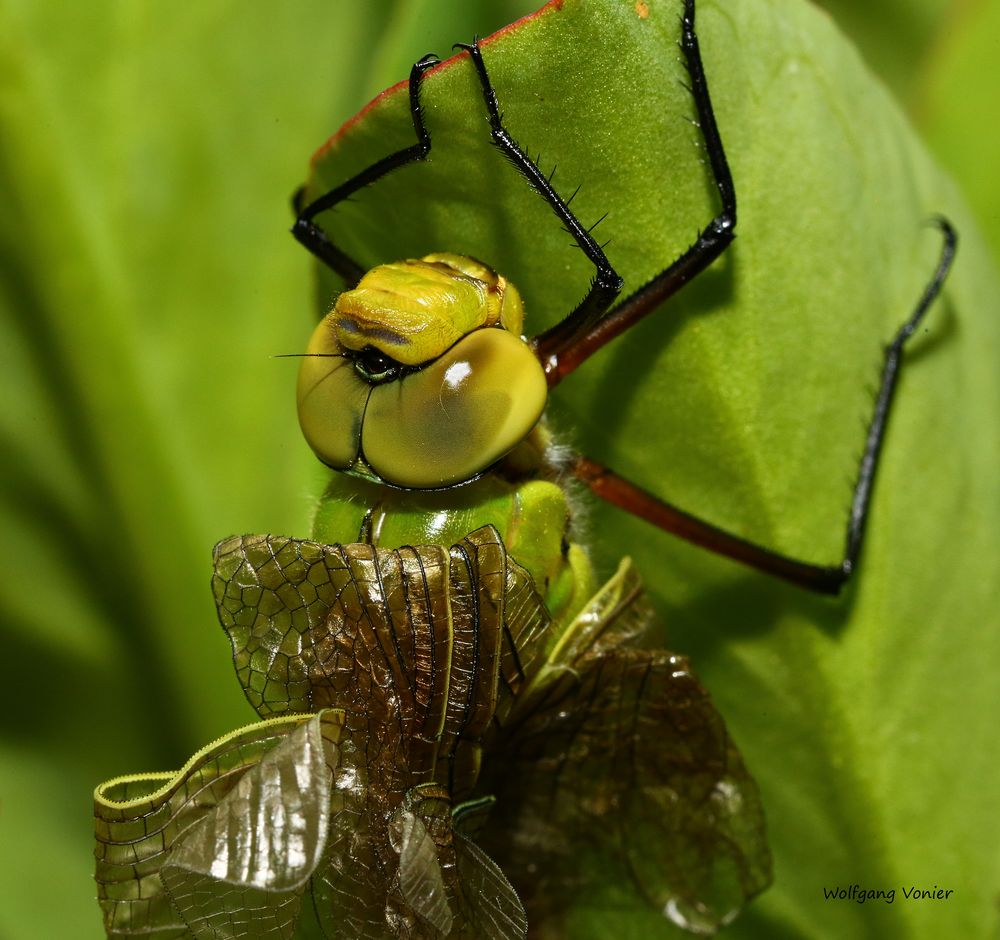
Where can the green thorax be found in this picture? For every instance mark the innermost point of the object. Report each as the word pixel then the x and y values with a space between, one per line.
pixel 521 498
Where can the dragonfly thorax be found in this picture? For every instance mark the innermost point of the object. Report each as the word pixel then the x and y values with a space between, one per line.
pixel 419 376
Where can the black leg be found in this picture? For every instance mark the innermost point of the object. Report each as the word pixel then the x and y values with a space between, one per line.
pixel 607 283
pixel 312 236
pixel 824 579
pixel 566 352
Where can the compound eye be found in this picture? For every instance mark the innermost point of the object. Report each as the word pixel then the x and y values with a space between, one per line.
pixel 331 399
pixel 451 420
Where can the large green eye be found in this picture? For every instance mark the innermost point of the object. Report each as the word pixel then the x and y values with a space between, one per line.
pixel 437 426
pixel 451 420
pixel 332 399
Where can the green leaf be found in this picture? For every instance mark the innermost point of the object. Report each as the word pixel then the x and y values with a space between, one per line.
pixel 745 401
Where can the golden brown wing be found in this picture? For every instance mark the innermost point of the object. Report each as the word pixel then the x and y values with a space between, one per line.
pixel 617 778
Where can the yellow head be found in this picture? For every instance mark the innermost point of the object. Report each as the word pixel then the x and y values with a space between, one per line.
pixel 419 376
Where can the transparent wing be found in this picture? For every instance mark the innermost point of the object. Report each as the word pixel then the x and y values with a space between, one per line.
pixel 283 602
pixel 416 878
pixel 621 778
pixel 421 882
pixel 273 596
pixel 412 644
pixel 488 901
pixel 225 847
pixel 453 887
pixel 348 896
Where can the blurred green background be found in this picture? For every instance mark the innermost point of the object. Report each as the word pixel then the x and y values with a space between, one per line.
pixel 146 156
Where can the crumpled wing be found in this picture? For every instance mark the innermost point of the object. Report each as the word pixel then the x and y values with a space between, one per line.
pixel 421 882
pixel 620 776
pixel 424 647
pixel 416 879
pixel 382 878
pixel 273 596
pixel 422 650
pixel 188 855
pixel 289 605
pixel 488 901
pixel 349 889
pixel 453 887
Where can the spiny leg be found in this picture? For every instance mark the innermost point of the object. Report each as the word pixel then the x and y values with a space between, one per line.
pixel 312 236
pixel 567 348
pixel 824 579
pixel 607 283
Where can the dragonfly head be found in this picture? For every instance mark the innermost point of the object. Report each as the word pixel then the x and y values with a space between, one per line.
pixel 419 376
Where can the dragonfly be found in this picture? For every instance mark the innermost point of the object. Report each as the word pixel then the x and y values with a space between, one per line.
pixel 463 733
